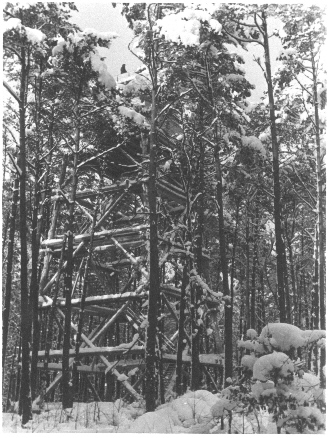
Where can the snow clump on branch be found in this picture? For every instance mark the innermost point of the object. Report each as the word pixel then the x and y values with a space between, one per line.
pixel 132 114
pixel 81 39
pixel 105 36
pixel 101 68
pixel 254 143
pixel 184 27
pixel 11 24
pixel 34 36
pixel 276 362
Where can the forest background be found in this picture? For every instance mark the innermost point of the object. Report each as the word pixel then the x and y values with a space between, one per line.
pixel 253 181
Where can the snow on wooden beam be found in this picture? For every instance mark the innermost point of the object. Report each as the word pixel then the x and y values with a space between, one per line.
pixel 116 298
pixel 54 278
pixel 133 244
pixel 120 232
pixel 99 368
pixel 133 259
pixel 180 249
pixel 175 292
pixel 110 368
pixel 113 188
pixel 213 360
pixel 114 318
pixel 113 265
pixel 99 299
pixel 109 352
pixel 95 310
pixel 171 193
pixel 173 187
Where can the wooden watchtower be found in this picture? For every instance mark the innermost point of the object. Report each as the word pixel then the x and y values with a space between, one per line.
pixel 111 357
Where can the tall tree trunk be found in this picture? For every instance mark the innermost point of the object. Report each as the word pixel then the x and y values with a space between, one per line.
pixel 247 293
pixel 10 259
pixel 320 219
pixel 197 329
pixel 35 242
pixel 25 404
pixel 56 209
pixel 154 294
pixel 228 342
pixel 181 333
pixel 253 275
pixel 67 389
pixel 280 249
pixel 294 314
pixel 34 287
pixel 321 234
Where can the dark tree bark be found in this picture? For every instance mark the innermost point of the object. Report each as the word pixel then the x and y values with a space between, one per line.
pixel 197 295
pixel 254 271
pixel 36 234
pixel 280 249
pixel 154 294
pixel 67 389
pixel 10 259
pixel 25 404
pixel 224 267
pixel 294 318
pixel 247 292
pixel 319 182
pixel 52 229
pixel 181 332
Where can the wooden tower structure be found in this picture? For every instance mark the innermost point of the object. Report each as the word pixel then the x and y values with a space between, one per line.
pixel 110 286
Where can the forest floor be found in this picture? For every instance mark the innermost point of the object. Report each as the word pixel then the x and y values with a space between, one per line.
pixel 191 413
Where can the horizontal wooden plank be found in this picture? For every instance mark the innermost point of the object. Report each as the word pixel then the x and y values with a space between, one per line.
pixel 100 235
pixel 132 184
pixel 98 299
pixel 99 368
pixel 213 360
pixel 95 351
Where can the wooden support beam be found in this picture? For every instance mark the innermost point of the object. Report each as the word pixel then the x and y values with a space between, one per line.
pixel 100 299
pixel 95 310
pixel 79 273
pixel 171 192
pixel 53 279
pixel 117 298
pixel 113 265
pixel 58 378
pixel 180 248
pixel 211 378
pixel 100 235
pixel 212 360
pixel 97 369
pixel 85 211
pixel 110 209
pixel 93 389
pixel 110 352
pixel 113 188
pixel 106 327
pixel 173 313
pixel 109 366
pixel 134 244
pixel 133 260
pixel 174 187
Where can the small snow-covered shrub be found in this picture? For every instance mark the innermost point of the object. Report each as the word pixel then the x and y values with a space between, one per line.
pixel 278 384
pixel 273 394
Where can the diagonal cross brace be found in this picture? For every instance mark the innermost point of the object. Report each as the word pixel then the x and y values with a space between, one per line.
pixel 92 338
pixel 108 364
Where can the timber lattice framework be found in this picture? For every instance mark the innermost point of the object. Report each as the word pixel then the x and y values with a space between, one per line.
pixel 110 362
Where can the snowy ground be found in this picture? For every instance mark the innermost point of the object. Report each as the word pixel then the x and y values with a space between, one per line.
pixel 191 413
pixel 83 418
